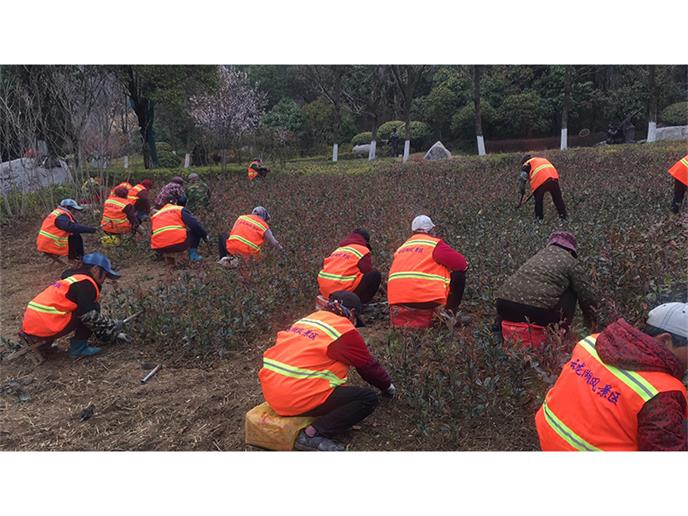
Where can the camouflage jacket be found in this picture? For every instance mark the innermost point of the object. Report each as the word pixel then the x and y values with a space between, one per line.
pixel 198 194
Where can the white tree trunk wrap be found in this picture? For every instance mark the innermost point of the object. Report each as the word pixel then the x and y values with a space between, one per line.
pixel 126 161
pixel 371 152
pixel 481 145
pixel 564 139
pixel 652 131
pixel 407 149
pixel 335 151
pixel 187 160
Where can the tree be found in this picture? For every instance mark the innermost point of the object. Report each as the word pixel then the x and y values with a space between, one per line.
pixel 565 108
pixel 407 78
pixel 364 93
pixel 147 85
pixel 328 80
pixel 652 119
pixel 230 112
pixel 478 115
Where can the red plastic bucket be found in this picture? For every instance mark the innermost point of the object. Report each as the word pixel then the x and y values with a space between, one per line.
pixel 528 335
pixel 401 316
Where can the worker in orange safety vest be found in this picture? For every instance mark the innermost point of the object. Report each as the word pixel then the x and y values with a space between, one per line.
pixel 119 216
pixel 543 178
pixel 680 174
pixel 256 169
pixel 305 373
pixel 247 237
pixel 60 234
pixel 622 390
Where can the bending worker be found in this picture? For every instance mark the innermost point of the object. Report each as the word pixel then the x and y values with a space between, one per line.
pixel 543 177
pixel 139 196
pixel 426 272
pixel 622 389
pixel 680 174
pixel 175 229
pixel 545 289
pixel 60 235
pixel 257 169
pixel 350 267
pixel 119 216
pixel 70 306
pixel 173 189
pixel 305 373
pixel 247 236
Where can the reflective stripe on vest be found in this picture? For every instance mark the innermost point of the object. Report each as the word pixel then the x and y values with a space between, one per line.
pixel 414 276
pixel 297 373
pixel 247 242
pixel 248 219
pixel 168 227
pixel 540 171
pixel 565 432
pixel 247 236
pixel 134 192
pixel 340 270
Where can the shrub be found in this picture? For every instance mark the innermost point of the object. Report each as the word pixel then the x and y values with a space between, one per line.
pixel 523 114
pixel 675 114
pixel 362 138
pixel 463 121
pixel 420 132
pixel 163 147
pixel 167 159
pixel 385 129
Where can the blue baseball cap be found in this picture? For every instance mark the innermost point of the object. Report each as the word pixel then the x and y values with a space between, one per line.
pixel 71 203
pixel 101 261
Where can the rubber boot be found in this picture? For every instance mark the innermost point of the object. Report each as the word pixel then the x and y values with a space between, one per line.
pixel 80 348
pixel 193 255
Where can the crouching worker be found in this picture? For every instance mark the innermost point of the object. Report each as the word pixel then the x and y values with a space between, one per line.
pixel 622 389
pixel 305 373
pixel 426 272
pixel 544 290
pixel 119 215
pixel 60 235
pixel 247 237
pixel 70 306
pixel 175 229
pixel 350 267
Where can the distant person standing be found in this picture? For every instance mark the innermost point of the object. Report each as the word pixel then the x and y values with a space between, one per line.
pixel 394 142
pixel 543 178
pixel 680 174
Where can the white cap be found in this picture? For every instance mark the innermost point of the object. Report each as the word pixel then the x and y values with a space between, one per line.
pixel 422 223
pixel 672 317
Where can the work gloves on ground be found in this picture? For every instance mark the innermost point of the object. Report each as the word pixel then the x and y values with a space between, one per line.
pixel 105 328
pixel 390 391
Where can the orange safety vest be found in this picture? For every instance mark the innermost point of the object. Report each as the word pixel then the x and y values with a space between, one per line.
pixel 51 239
pixel 297 374
pixel 168 227
pixel 252 174
pixel 134 192
pixel 540 171
pixel 114 220
pixel 49 312
pixel 415 277
pixel 680 170
pixel 594 406
pixel 340 270
pixel 247 236
pixel 125 184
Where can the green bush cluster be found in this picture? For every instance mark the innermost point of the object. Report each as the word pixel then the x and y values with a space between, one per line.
pixel 167 158
pixel 675 114
pixel 362 138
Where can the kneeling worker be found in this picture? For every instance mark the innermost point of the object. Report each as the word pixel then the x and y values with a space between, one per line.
pixel 305 373
pixel 60 235
pixel 545 289
pixel 175 229
pixel 426 272
pixel 70 305
pixel 622 389
pixel 350 267
pixel 119 216
pixel 247 236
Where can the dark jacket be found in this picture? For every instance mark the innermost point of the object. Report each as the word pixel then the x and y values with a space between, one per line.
pixel 541 281
pixel 65 224
pixel 661 421
pixel 193 225
pixel 82 293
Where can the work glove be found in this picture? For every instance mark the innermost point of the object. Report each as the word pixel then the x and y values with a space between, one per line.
pixel 390 391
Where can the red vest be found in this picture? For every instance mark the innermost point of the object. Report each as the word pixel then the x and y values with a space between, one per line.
pixel 51 239
pixel 415 277
pixel 340 270
pixel 297 374
pixel 540 171
pixel 594 406
pixel 168 227
pixel 49 312
pixel 680 170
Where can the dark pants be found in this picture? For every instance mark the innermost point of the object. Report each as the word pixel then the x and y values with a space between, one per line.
pixel 679 194
pixel 368 287
pixel 76 246
pixel 81 332
pixel 222 244
pixel 562 313
pixel 346 406
pixel 457 285
pixel 551 186
pixel 192 241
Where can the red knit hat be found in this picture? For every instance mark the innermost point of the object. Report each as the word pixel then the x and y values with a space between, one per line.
pixel 147 183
